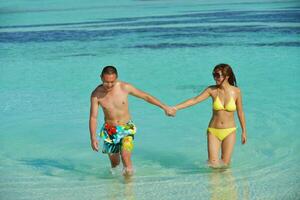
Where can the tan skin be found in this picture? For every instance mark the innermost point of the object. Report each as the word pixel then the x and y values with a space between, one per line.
pixel 220 119
pixel 112 97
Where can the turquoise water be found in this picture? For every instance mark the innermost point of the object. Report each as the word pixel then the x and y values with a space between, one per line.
pixel 51 56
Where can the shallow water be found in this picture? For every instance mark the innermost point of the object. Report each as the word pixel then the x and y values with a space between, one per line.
pixel 51 57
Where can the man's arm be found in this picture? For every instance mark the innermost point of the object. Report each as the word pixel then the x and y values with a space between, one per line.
pixel 147 97
pixel 93 122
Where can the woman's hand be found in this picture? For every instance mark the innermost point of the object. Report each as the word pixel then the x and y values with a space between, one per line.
pixel 244 138
pixel 171 111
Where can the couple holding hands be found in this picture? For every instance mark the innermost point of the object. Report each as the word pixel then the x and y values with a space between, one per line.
pixel 118 130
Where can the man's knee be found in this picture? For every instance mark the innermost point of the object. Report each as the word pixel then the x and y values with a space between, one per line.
pixel 114 160
pixel 127 144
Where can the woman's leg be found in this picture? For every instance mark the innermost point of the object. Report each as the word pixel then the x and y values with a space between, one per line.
pixel 213 147
pixel 227 147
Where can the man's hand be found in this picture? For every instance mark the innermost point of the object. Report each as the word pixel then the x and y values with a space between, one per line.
pixel 95 145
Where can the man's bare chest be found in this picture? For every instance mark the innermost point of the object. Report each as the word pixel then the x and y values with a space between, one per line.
pixel 112 101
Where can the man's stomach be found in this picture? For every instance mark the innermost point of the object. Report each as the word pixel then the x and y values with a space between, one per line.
pixel 117 120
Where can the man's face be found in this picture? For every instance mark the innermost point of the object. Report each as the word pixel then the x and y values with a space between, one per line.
pixel 109 81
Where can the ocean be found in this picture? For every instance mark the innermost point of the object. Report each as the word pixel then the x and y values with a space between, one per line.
pixel 52 54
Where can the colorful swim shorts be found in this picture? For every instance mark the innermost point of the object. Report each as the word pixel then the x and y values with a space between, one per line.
pixel 117 138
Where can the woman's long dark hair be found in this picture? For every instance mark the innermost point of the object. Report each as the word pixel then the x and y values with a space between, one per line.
pixel 227 71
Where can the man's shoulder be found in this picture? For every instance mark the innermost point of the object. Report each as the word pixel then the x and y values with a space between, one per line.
pixel 124 85
pixel 97 91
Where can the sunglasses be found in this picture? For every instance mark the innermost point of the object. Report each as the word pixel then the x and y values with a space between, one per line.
pixel 217 75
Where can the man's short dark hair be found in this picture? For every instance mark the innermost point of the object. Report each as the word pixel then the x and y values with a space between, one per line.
pixel 109 70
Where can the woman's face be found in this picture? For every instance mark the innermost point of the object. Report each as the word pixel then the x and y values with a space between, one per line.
pixel 219 77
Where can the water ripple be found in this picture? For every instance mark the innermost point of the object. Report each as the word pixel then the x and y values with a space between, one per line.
pixel 173 32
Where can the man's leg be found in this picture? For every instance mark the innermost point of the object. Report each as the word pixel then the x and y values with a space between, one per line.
pixel 112 151
pixel 127 146
pixel 126 159
pixel 114 159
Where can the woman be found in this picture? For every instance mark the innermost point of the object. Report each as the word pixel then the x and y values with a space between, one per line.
pixel 227 99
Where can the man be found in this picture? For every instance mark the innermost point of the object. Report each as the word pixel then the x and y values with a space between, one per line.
pixel 118 129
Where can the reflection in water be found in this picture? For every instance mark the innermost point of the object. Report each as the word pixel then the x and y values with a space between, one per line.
pixel 128 190
pixel 223 186
pixel 122 188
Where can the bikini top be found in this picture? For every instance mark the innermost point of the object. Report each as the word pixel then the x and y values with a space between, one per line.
pixel 230 106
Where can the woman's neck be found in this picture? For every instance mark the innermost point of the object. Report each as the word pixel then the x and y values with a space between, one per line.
pixel 224 85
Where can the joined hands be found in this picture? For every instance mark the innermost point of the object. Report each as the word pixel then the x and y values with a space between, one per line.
pixel 170 111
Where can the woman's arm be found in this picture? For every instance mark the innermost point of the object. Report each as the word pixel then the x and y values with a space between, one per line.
pixel 190 102
pixel 241 116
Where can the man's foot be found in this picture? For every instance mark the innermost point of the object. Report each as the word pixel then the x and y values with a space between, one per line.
pixel 115 170
pixel 127 171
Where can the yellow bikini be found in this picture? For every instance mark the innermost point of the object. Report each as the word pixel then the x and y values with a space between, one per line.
pixel 222 133
pixel 230 106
